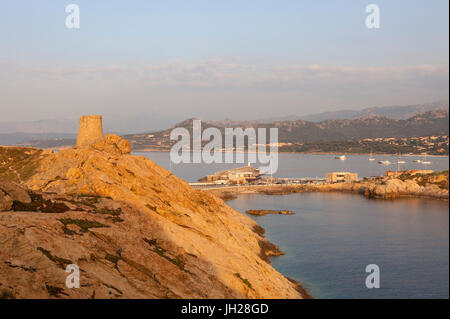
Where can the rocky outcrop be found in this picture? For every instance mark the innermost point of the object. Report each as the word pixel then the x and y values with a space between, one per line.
pixel 262 212
pixel 134 229
pixel 113 144
pixel 10 193
pixel 434 185
pixel 395 188
pixel 389 188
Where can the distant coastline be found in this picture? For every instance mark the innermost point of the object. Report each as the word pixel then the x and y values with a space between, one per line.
pixel 392 189
pixel 309 153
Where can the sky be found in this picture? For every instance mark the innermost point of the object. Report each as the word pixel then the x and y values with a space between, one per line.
pixel 159 62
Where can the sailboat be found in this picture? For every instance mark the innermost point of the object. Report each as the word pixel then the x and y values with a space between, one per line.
pixel 385 162
pixel 400 161
pixel 371 158
pixel 425 162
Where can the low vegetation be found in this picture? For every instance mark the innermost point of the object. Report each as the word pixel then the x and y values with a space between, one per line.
pixel 415 145
pixel 39 204
pixel 162 253
pixel 18 164
pixel 244 280
pixel 436 178
pixel 83 224
pixel 61 262
pixel 107 211
pixel 54 291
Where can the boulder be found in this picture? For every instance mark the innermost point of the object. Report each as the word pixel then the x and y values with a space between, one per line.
pixel 5 202
pixel 14 191
pixel 113 144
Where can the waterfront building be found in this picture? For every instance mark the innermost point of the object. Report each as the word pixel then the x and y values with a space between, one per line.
pixel 239 175
pixel 341 177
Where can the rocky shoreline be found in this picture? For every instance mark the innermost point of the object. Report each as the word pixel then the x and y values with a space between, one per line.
pixel 382 187
pixel 262 212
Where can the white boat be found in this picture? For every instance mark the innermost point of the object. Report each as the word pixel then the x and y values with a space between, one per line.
pixel 400 161
pixel 342 157
pixel 425 162
pixel 384 162
pixel 371 158
pixel 417 161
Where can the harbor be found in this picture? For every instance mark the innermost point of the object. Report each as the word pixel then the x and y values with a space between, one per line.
pixel 304 166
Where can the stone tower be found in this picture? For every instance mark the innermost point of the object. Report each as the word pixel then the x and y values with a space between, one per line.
pixel 90 130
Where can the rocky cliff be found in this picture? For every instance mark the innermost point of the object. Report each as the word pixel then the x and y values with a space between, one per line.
pixel 134 229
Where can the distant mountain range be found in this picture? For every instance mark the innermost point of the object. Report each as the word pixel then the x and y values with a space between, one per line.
pixel 423 124
pixel 432 123
pixel 394 112
pixel 369 123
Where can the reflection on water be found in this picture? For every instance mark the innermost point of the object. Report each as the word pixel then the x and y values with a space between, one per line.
pixel 332 237
pixel 303 165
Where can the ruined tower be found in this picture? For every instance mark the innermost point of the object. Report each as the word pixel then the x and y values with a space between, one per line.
pixel 90 130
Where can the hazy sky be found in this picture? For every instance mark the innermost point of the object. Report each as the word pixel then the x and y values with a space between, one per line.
pixel 170 60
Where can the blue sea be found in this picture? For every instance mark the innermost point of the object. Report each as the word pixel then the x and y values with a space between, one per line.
pixel 333 237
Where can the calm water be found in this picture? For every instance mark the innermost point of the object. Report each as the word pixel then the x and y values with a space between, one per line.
pixel 301 165
pixel 332 237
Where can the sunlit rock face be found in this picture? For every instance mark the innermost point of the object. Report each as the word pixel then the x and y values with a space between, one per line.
pixel 134 229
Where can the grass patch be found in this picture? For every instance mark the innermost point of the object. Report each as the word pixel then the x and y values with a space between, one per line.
pixel 18 164
pixel 162 253
pixel 54 291
pixel 422 182
pixel 153 208
pixel 112 258
pixel 89 199
pixel 244 280
pixel 61 262
pixel 112 287
pixel 38 204
pixel 443 185
pixel 84 224
pixel 115 219
pixel 107 211
pixel 6 294
pixel 130 172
